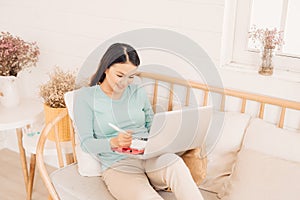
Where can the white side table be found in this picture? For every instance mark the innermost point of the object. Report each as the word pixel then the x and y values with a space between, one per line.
pixel 26 113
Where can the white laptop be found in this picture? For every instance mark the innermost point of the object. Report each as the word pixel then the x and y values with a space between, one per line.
pixel 174 132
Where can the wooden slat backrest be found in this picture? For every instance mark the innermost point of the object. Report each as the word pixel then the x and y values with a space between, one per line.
pixel 244 96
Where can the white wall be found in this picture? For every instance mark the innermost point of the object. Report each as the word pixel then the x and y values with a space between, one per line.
pixel 68 31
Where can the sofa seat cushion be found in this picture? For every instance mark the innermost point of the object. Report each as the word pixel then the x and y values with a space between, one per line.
pixel 206 195
pixel 70 185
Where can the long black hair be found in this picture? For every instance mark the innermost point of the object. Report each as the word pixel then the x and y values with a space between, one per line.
pixel 116 53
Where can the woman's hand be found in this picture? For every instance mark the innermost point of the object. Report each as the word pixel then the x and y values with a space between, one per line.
pixel 122 140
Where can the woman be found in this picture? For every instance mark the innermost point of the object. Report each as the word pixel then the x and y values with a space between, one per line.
pixel 111 98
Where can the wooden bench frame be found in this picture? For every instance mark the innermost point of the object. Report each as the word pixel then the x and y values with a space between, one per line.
pixel 189 85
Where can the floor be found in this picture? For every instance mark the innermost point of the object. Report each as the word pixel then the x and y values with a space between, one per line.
pixel 12 181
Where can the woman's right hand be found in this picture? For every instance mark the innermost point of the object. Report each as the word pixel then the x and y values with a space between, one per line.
pixel 121 140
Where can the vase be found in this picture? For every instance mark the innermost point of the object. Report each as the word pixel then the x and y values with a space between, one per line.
pixel 63 125
pixel 266 67
pixel 9 93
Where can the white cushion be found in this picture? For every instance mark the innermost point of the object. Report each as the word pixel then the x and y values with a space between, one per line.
pixel 88 165
pixel 267 138
pixel 260 176
pixel 222 157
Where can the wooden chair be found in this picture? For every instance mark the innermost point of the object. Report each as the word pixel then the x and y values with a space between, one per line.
pixel 66 183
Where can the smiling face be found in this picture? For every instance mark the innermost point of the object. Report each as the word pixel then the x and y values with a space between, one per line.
pixel 118 77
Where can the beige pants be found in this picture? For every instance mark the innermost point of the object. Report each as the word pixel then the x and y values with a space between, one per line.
pixel 129 179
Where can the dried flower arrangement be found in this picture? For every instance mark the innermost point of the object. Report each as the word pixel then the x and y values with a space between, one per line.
pixel 16 54
pixel 53 91
pixel 267 38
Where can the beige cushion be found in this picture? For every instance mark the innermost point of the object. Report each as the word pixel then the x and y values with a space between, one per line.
pixel 268 166
pixel 268 138
pixel 260 176
pixel 72 186
pixel 223 155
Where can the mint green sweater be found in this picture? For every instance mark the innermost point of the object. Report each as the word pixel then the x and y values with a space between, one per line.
pixel 93 110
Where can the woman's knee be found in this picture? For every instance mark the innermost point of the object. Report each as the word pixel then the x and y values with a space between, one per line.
pixel 162 162
pixel 125 186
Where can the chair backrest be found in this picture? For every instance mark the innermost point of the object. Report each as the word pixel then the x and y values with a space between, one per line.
pixel 87 163
pixel 40 153
pixel 69 158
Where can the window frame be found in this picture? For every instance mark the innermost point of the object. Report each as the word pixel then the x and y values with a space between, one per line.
pixel 235 49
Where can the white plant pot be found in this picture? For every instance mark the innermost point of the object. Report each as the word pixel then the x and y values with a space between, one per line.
pixel 9 94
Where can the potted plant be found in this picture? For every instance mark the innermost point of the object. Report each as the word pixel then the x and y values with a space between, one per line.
pixel 15 55
pixel 52 93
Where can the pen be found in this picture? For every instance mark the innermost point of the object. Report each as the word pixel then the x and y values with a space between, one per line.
pixel 117 128
pixel 123 131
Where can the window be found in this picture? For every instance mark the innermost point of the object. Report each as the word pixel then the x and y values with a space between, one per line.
pixel 282 14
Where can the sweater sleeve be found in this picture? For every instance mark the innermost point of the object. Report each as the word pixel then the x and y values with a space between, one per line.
pixel 84 119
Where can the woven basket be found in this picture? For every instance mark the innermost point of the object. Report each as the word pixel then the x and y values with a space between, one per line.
pixel 63 124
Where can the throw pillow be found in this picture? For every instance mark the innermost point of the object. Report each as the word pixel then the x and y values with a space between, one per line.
pixel 222 157
pixel 260 176
pixel 196 164
pixel 267 138
pixel 268 166
pixel 87 164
